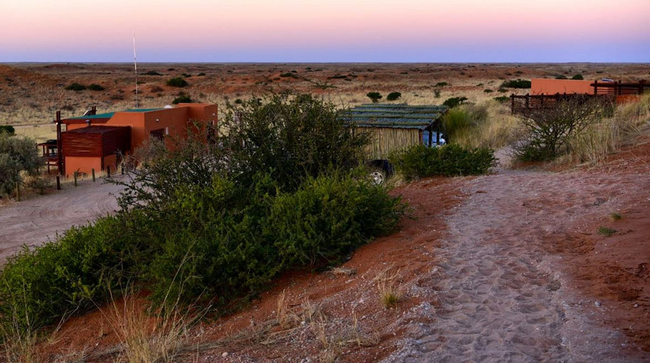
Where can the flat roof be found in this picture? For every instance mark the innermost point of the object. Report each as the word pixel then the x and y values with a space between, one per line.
pixel 96 129
pixel 394 115
pixel 110 114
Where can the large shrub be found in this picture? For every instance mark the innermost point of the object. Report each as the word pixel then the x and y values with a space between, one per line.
pixel 549 130
pixel 18 156
pixel 290 136
pixel 448 160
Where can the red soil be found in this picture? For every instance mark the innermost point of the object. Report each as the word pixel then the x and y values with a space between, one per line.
pixel 508 266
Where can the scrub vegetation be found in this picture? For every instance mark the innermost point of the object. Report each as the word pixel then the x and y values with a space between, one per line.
pixel 214 222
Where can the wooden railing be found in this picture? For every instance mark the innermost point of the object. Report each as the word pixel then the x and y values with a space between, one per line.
pixel 619 88
pixel 524 103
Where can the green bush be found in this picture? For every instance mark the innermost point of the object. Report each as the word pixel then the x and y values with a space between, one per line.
pixel 487 90
pixel 502 99
pixel 177 82
pixel 235 239
pixel 151 73
pixel 374 96
pixel 519 83
pixel 454 101
pixel 182 99
pixel 393 96
pixel 18 156
pixel 41 285
pixel 8 129
pixel 578 77
pixel 560 76
pixel 441 84
pixel 327 218
pixel 75 87
pixel 420 161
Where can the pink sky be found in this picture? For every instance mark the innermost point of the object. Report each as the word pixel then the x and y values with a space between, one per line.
pixel 327 31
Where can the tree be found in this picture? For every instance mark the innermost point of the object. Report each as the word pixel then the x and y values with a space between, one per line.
pixel 393 96
pixel 17 157
pixel 374 96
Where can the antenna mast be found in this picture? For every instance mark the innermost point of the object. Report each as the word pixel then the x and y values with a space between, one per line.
pixel 135 65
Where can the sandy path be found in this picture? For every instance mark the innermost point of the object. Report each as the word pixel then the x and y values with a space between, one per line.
pixel 40 218
pixel 503 296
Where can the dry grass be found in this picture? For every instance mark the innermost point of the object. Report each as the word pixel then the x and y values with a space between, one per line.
pixel 494 128
pixel 387 286
pixel 146 334
pixel 609 135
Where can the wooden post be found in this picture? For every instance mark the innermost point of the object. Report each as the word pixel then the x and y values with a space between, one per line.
pixel 512 103
pixel 108 171
pixel 596 88
pixel 543 101
pixel 58 182
pixel 641 84
pixel 59 147
pixel 75 178
pixel 527 101
pixel 93 172
pixel 18 191
pixel 122 168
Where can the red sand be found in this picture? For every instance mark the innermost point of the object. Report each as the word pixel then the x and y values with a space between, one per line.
pixel 500 267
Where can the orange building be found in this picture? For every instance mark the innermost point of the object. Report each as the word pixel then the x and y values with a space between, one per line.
pixel 544 86
pixel 96 141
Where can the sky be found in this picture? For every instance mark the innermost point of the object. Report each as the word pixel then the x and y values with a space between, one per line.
pixel 325 31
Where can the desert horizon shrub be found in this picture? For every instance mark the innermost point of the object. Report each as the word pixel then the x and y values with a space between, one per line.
pixel 419 161
pixel 454 101
pixel 519 83
pixel 151 73
pixel 177 82
pixel 96 87
pixel 374 96
pixel 578 77
pixel 441 84
pixel 561 76
pixel 182 99
pixel 502 99
pixel 75 87
pixel 393 96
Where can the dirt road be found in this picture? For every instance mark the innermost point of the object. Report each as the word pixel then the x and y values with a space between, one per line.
pixel 505 295
pixel 40 218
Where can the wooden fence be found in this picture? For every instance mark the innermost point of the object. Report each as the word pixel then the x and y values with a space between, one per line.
pixel 520 104
pixel 619 88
